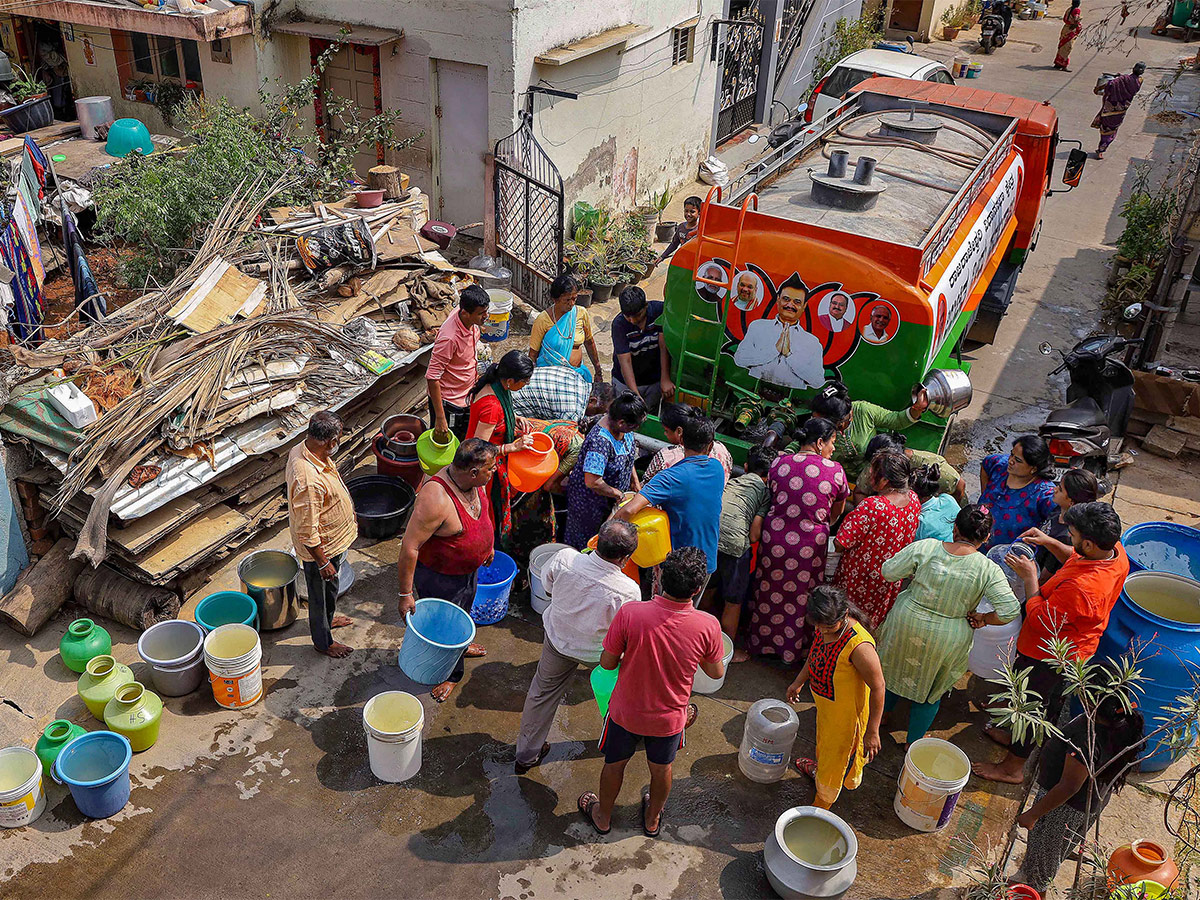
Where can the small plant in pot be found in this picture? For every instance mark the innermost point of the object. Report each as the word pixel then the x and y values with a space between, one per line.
pixel 950 23
pixel 26 87
pixel 663 230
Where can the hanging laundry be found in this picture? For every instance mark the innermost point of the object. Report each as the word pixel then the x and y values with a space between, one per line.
pixel 41 165
pixel 25 322
pixel 25 178
pixel 28 231
pixel 89 301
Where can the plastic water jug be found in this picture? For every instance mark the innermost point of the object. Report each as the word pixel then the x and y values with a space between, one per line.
pixel 771 727
pixel 654 537
pixel 529 469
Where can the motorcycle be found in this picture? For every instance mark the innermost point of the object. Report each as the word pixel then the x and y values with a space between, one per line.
pixel 1099 403
pixel 993 27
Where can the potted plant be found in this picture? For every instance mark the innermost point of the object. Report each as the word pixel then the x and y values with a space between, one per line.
pixel 662 230
pixel 33 109
pixel 168 96
pixel 950 26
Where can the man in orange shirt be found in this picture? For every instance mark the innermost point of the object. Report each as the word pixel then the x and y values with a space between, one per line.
pixel 1073 605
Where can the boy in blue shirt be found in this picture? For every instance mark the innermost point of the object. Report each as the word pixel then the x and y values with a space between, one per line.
pixel 689 492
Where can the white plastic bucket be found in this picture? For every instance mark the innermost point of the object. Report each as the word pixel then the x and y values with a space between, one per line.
pixel 702 684
pixel 538 560
pixel 925 800
pixel 21 796
pixel 495 329
pixel 961 64
pixel 393 721
pixel 233 654
pixel 993 646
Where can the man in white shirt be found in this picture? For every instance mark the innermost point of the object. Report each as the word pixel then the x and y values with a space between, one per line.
pixel 779 350
pixel 875 331
pixel 586 590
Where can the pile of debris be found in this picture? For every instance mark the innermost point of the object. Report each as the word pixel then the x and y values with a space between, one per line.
pixel 162 431
pixel 1166 414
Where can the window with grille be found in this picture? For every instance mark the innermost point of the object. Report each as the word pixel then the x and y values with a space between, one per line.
pixel 682 44
pixel 145 60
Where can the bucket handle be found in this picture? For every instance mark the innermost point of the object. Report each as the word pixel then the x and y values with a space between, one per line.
pixel 54 769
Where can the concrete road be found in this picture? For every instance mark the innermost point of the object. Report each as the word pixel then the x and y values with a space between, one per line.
pixel 279 800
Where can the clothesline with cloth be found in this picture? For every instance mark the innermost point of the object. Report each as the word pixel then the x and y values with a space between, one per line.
pixel 21 297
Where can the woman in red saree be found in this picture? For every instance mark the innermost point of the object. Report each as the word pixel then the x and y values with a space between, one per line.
pixel 1072 25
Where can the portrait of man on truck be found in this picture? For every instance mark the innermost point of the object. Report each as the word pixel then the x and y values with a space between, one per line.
pixel 876 330
pixel 779 350
pixel 749 291
pixel 838 311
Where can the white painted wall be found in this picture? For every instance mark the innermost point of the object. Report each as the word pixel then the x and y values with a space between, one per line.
pixel 640 124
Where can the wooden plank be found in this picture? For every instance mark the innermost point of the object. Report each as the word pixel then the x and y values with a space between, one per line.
pixel 41 589
pixel 605 40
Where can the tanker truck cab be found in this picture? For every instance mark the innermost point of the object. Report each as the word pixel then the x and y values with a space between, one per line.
pixel 860 250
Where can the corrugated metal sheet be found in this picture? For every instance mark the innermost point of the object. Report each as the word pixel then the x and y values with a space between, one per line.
pixel 179 476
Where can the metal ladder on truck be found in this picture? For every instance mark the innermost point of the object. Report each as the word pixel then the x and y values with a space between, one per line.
pixel 703 241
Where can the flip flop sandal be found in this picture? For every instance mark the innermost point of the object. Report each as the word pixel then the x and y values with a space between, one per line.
pixel 646 831
pixel 693 713
pixel 806 766
pixel 521 768
pixel 475 651
pixel 587 800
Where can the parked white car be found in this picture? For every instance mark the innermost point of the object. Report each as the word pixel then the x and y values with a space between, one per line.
pixel 858 67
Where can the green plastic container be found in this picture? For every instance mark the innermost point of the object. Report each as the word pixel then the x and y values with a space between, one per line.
pixel 83 642
pixel 603 683
pixel 100 681
pixel 434 456
pixel 135 714
pixel 57 735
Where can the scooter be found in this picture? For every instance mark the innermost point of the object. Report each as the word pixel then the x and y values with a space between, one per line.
pixel 1099 403
pixel 993 27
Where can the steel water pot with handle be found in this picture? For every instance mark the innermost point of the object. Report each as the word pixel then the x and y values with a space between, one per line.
pixel 949 391
pixel 269 578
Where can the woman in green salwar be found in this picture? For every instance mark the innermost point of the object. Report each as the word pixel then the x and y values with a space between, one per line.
pixel 926 638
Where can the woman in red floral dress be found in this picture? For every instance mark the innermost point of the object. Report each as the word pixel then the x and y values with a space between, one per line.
pixel 878 528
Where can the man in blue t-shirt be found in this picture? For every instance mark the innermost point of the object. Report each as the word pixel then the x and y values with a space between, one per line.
pixel 641 363
pixel 689 492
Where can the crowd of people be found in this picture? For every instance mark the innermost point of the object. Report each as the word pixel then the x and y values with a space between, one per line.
pixel 847 554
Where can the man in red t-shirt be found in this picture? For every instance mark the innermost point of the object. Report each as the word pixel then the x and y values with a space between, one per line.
pixel 658 646
pixel 1073 605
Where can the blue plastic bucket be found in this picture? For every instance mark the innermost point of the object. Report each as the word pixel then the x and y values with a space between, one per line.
pixel 95 767
pixel 493 584
pixel 227 608
pixel 1164 547
pixel 438 632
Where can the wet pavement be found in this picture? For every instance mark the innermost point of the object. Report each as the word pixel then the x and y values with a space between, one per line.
pixel 279 800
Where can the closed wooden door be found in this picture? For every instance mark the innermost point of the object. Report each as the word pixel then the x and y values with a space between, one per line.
pixel 353 74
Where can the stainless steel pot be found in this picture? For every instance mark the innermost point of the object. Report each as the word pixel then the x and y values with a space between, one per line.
pixel 269 576
pixel 949 391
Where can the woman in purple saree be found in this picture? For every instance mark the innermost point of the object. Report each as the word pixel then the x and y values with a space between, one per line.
pixel 1117 96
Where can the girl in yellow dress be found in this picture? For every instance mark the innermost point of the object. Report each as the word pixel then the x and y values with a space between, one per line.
pixel 847 686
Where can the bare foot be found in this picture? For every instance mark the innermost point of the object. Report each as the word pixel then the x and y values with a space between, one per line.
pixel 443 691
pixel 740 655
pixel 475 651
pixel 997 772
pixel 336 650
pixel 341 622
pixel 999 735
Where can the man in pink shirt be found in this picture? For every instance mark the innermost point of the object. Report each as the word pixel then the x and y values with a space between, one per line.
pixel 658 646
pixel 452 368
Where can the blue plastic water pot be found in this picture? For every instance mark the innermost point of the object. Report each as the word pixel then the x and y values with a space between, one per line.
pixel 95 766
pixel 227 608
pixel 438 632
pixel 493 584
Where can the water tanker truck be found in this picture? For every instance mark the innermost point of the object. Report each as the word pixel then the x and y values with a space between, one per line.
pixel 870 248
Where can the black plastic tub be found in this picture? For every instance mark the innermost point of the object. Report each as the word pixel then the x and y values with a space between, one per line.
pixel 29 116
pixel 382 504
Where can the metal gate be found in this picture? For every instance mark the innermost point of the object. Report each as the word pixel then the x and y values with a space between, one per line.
pixel 529 214
pixel 793 20
pixel 741 57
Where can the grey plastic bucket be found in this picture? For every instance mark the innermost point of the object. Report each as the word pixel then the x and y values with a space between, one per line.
pixel 174 651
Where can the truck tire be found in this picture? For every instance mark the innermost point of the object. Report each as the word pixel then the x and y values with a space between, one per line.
pixel 992 307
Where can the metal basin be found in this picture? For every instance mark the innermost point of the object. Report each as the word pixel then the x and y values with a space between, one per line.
pixel 400 435
pixel 269 576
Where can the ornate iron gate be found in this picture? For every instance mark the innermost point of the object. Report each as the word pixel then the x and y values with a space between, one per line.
pixel 529 214
pixel 741 57
pixel 795 17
